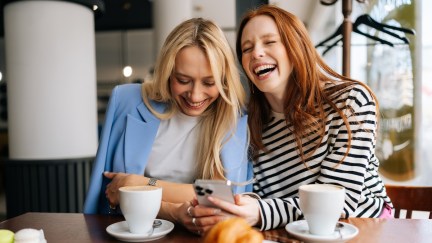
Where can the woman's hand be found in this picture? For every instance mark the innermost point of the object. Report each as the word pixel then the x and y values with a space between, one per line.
pixel 119 180
pixel 245 207
pixel 200 219
pixel 169 192
pixel 195 218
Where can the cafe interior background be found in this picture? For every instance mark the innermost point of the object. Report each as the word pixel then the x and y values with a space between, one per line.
pixel 52 104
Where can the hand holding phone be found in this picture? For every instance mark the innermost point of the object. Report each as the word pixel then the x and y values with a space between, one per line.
pixel 216 188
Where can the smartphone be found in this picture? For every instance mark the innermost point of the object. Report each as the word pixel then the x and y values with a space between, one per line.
pixel 216 188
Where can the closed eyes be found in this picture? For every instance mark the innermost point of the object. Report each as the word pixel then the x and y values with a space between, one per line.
pixel 186 82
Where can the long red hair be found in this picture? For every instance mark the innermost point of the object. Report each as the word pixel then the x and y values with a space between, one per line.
pixel 305 94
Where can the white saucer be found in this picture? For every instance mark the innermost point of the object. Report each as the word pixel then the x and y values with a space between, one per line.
pixel 300 229
pixel 120 230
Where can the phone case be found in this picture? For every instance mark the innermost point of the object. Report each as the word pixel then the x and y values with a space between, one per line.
pixel 216 188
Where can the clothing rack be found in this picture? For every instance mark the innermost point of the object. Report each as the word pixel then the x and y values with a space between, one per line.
pixel 346 37
pixel 347 27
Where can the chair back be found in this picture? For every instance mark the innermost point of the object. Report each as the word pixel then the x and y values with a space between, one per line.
pixel 410 198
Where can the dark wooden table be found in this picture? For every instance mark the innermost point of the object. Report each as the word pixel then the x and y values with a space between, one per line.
pixel 69 227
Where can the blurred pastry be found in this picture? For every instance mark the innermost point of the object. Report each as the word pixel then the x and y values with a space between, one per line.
pixel 233 230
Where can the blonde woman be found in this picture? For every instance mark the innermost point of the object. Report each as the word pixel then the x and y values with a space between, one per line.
pixel 188 123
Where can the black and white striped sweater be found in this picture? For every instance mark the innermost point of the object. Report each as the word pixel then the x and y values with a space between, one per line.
pixel 280 172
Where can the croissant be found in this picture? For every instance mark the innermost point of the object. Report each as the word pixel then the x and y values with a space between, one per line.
pixel 233 230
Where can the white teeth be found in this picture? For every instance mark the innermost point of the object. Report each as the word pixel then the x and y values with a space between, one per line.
pixel 260 68
pixel 195 104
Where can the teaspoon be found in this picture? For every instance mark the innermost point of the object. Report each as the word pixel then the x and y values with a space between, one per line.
pixel 338 228
pixel 156 224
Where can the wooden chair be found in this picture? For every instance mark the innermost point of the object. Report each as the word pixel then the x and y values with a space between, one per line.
pixel 410 198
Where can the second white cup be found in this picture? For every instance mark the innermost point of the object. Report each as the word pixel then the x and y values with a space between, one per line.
pixel 140 206
pixel 322 206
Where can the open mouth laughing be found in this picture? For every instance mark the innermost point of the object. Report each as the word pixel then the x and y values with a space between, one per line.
pixel 263 70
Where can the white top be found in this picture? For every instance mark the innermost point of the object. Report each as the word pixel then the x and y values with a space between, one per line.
pixel 173 153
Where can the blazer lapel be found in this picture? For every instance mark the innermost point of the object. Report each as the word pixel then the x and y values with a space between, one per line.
pixel 139 138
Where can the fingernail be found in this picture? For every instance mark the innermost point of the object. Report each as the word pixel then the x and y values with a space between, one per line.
pixel 217 211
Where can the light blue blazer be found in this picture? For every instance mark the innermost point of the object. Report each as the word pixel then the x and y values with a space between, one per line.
pixel 127 138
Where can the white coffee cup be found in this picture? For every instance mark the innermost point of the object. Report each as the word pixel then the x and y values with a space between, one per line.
pixel 140 206
pixel 322 206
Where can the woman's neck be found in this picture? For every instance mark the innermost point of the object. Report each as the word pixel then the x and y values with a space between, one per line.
pixel 276 102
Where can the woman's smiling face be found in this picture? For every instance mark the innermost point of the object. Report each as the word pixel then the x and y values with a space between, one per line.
pixel 264 57
pixel 192 84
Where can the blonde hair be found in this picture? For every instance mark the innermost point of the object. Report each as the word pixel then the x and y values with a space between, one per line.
pixel 219 121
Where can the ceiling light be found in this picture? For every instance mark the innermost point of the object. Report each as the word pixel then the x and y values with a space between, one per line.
pixel 127 71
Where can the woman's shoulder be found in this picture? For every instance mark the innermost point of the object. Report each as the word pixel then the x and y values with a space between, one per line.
pixel 127 96
pixel 128 90
pixel 361 94
pixel 356 92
